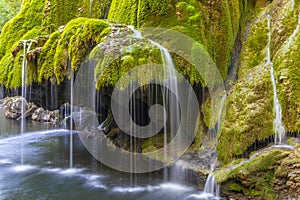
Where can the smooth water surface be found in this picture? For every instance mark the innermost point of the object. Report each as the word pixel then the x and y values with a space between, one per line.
pixel 46 173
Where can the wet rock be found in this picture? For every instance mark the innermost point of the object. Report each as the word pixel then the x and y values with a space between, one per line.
pixel 287 177
pixel 42 115
pixel 272 174
pixel 13 106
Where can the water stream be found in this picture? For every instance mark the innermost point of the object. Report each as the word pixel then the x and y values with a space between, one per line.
pixel 47 175
pixel 169 100
pixel 26 49
pixel 278 126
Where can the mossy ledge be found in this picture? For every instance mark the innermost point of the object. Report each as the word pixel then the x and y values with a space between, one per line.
pixel 249 118
pixel 268 175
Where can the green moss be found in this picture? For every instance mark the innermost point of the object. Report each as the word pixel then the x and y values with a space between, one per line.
pixel 211 109
pixel 45 62
pixel 11 67
pixel 111 65
pixel 254 51
pixel 85 39
pixel 286 64
pixel 59 12
pixel 29 17
pixel 255 177
pixel 213 25
pixel 78 38
pixel 249 114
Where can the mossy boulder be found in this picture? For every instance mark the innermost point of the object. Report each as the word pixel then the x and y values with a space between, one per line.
pixel 213 24
pixel 250 112
pixel 270 174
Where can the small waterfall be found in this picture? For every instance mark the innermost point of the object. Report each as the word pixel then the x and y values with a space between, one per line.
pixel 169 101
pixel 292 4
pixel 71 118
pixel 26 49
pixel 292 37
pixel 278 126
pixel 211 186
pixel 91 8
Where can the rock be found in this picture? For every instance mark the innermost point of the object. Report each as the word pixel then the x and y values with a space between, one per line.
pixel 13 106
pixel 42 115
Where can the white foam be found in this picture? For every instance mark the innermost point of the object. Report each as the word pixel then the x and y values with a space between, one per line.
pixel 5 162
pixel 23 168
pixel 34 134
pixel 202 195
pixel 128 189
pixel 71 171
pixel 174 186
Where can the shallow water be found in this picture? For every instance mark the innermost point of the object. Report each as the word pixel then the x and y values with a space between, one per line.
pixel 46 173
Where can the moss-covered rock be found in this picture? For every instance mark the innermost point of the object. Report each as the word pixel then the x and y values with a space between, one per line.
pixel 270 174
pixel 11 63
pixel 250 112
pixel 79 37
pixel 29 17
pixel 213 24
pixel 58 13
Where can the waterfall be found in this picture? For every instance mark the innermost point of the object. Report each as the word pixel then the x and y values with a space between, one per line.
pixel 211 186
pixel 292 4
pixel 277 124
pixel 71 118
pixel 91 8
pixel 26 49
pixel 169 101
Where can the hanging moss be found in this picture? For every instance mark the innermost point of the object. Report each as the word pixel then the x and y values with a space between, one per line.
pixel 254 51
pixel 249 114
pixel 29 17
pixel 114 63
pixel 79 36
pixel 45 62
pixel 11 66
pixel 286 65
pixel 59 12
pixel 215 25
pixel 254 178
pixel 85 39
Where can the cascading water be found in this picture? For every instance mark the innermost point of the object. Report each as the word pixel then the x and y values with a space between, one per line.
pixel 169 101
pixel 211 186
pixel 71 118
pixel 91 8
pixel 26 49
pixel 278 126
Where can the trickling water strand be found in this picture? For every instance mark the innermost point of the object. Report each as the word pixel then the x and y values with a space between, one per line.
pixel 211 186
pixel 24 80
pixel 292 4
pixel 170 103
pixel 292 37
pixel 277 124
pixel 91 8
pixel 71 119
pixel 23 94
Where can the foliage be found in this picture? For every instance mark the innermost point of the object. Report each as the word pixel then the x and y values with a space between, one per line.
pixel 8 9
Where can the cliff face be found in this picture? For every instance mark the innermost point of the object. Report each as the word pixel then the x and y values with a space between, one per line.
pixel 249 115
